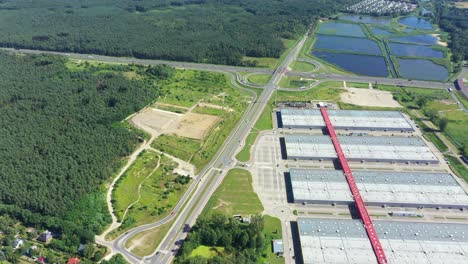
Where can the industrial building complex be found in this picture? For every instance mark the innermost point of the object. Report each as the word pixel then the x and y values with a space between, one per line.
pixel 379 188
pixel 344 241
pixel 360 148
pixel 345 119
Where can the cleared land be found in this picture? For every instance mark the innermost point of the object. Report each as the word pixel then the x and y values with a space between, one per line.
pixel 155 121
pixel 207 252
pixel 195 126
pixel 461 4
pixel 368 97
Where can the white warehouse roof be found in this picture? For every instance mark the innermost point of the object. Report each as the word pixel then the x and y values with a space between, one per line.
pixel 360 148
pixel 345 119
pixel 412 189
pixel 345 241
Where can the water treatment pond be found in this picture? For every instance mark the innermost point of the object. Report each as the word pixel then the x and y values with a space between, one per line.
pixel 379 31
pixel 367 19
pixel 409 50
pixel 346 44
pixel 360 64
pixel 343 29
pixel 422 70
pixel 417 39
pixel 416 22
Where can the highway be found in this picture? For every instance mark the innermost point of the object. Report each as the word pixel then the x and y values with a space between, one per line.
pixel 193 201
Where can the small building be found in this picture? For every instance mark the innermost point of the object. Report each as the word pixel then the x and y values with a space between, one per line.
pixel 246 219
pixel 73 261
pixel 45 237
pixel 278 248
pixel 460 85
pixel 18 243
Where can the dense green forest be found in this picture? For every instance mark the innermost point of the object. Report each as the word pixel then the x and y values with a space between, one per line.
pixel 215 31
pixel 240 243
pixel 62 138
pixel 455 21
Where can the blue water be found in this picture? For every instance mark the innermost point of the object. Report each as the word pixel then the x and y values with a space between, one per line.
pixel 359 64
pixel 416 22
pixel 343 29
pixel 379 31
pixel 409 50
pixel 417 39
pixel 367 19
pixel 422 70
pixel 346 44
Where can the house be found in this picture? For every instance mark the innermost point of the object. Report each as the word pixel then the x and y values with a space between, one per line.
pixel 246 220
pixel 45 237
pixel 18 243
pixel 81 248
pixel 73 261
pixel 278 247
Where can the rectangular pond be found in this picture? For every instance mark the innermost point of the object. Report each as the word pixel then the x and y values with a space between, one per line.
pixel 417 39
pixel 382 32
pixel 422 70
pixel 416 22
pixel 343 29
pixel 347 44
pixel 367 19
pixel 408 50
pixel 360 64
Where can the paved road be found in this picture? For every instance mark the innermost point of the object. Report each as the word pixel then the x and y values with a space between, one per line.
pixel 110 59
pixel 379 80
pixel 215 172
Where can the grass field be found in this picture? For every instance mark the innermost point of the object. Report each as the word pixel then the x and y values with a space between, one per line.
pixel 127 186
pixel 235 195
pixel 458 167
pixel 148 241
pixel 209 111
pixel 259 78
pixel 244 154
pixel 273 62
pixel 207 252
pixel 294 82
pixel 272 230
pixel 159 193
pixel 302 66
pixel 218 91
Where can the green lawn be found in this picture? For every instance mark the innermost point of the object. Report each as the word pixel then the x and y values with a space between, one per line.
pixel 458 167
pixel 210 111
pixel 244 154
pixel 235 195
pixel 302 66
pixel 294 82
pixel 180 147
pixel 259 78
pixel 127 186
pixel 207 252
pixel 272 230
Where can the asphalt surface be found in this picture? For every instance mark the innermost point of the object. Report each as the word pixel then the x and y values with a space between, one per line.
pixel 197 195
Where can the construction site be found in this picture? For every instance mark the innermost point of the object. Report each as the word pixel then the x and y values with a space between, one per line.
pixel 359 187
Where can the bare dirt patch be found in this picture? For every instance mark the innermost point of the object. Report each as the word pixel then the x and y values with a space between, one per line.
pixel 461 4
pixel 195 126
pixel 368 97
pixel 155 121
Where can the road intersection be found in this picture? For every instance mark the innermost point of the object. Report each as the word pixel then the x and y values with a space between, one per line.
pixel 193 201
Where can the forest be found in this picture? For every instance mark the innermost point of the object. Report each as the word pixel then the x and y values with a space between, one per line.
pixel 239 243
pixel 454 21
pixel 214 31
pixel 62 138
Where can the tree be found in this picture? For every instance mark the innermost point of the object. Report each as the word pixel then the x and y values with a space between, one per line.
pixel 88 251
pixel 443 122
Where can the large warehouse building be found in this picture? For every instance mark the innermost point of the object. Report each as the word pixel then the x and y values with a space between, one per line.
pixel 345 119
pixel 401 189
pixel 345 241
pixel 360 148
